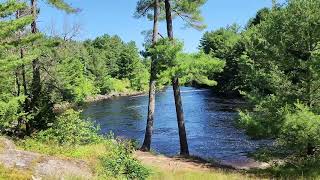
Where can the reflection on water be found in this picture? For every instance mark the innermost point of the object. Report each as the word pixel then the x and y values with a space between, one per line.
pixel 209 122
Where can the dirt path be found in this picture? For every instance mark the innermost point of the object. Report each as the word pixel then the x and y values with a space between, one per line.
pixel 186 164
pixel 42 166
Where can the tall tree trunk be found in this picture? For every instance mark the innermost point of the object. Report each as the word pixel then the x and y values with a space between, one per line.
pixel 24 81
pixel 184 150
pixel 169 19
pixel 146 146
pixel 18 69
pixel 21 72
pixel 36 79
pixel 17 73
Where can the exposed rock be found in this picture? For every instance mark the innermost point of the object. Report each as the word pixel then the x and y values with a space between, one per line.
pixel 52 167
pixel 42 166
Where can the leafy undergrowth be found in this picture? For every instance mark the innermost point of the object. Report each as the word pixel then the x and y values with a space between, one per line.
pixel 287 165
pixel 13 174
pixel 108 159
pixel 294 168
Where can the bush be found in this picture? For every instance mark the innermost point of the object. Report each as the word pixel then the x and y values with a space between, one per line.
pixel 114 85
pixel 119 162
pixel 69 128
pixel 10 112
pixel 266 119
pixel 108 158
pixel 83 89
pixel 141 81
pixel 301 131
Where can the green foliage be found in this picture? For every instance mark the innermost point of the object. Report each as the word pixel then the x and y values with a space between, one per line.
pixel 171 62
pixel 108 158
pixel 164 54
pixel 111 57
pixel 69 128
pixel 280 66
pixel 120 163
pixel 189 12
pixel 10 112
pixel 297 168
pixel 300 132
pixel 260 17
pixel 69 72
pixel 193 67
pixel 11 99
pixel 60 4
pixel 225 44
pixel 115 85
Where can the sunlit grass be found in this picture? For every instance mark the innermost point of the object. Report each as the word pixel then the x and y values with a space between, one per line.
pixel 14 174
pixel 162 174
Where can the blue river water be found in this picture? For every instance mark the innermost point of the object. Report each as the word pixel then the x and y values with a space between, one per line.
pixel 209 119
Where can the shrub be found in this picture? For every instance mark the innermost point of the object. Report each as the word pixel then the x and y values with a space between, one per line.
pixel 301 131
pixel 114 85
pixel 69 128
pixel 119 162
pixel 83 89
pixel 267 117
pixel 10 112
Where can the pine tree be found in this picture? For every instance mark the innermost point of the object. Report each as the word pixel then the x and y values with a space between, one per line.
pixel 10 62
pixel 36 80
pixel 143 7
pixel 189 11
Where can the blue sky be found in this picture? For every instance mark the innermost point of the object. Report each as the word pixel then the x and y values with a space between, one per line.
pixel 115 17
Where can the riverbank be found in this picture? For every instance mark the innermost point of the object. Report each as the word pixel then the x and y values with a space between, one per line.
pixel 99 97
pixel 61 107
pixel 171 168
pixel 17 164
pixel 22 164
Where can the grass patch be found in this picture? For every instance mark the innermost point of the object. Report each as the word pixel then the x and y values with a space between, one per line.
pixel 14 174
pixel 294 168
pixel 108 159
pixel 160 174
pixel 1 145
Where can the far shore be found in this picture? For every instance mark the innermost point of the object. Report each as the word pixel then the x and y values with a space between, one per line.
pixel 58 108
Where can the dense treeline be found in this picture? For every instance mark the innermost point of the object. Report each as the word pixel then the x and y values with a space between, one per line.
pixel 71 71
pixel 274 63
pixel 37 72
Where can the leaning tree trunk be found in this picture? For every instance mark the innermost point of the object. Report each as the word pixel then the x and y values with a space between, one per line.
pixel 36 79
pixel 146 146
pixel 184 150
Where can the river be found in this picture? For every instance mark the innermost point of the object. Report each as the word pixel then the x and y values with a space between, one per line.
pixel 209 119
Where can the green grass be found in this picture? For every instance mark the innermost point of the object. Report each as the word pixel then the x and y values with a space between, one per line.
pixel 296 169
pixel 92 153
pixel 104 158
pixel 89 153
pixel 159 174
pixel 14 174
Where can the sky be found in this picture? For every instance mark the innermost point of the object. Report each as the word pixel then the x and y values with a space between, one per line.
pixel 115 17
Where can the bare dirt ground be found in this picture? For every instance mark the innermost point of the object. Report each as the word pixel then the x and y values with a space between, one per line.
pixel 196 164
